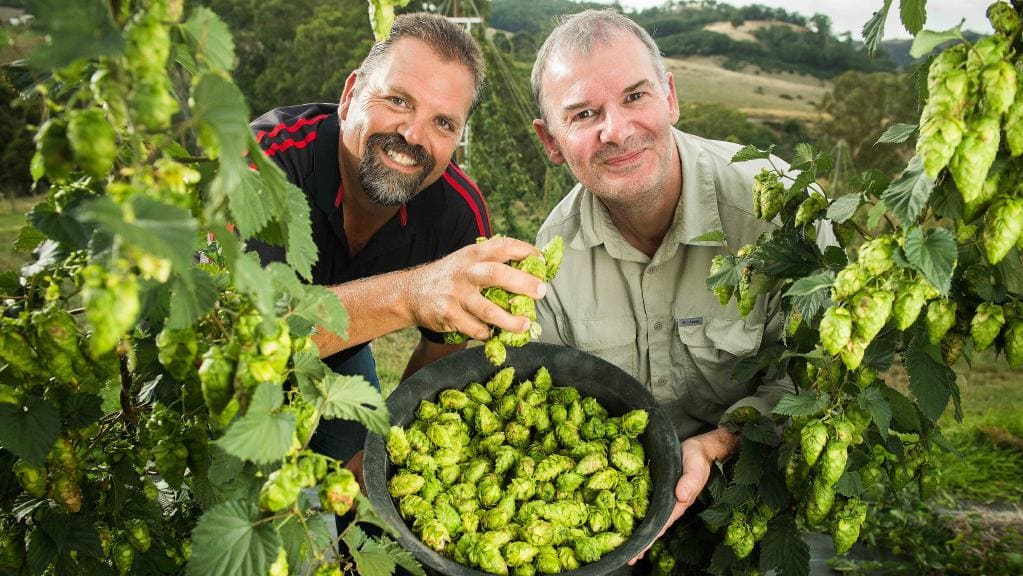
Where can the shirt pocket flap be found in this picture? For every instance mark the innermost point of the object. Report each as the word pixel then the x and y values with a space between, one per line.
pixel 733 336
pixel 603 333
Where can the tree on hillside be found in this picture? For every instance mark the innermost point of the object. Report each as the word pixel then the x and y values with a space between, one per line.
pixel 862 106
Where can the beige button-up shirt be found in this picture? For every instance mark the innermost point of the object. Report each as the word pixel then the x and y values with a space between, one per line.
pixel 654 317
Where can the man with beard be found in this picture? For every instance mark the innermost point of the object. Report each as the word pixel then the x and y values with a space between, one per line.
pixel 395 221
pixel 638 236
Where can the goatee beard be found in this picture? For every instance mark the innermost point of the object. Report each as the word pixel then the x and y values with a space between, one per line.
pixel 384 185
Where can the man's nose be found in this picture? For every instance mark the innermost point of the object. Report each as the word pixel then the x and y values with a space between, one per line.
pixel 617 126
pixel 413 130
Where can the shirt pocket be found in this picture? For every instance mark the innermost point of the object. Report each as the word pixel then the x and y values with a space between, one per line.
pixel 712 351
pixel 612 339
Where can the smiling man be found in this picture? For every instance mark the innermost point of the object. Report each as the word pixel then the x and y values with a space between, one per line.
pixel 394 219
pixel 632 283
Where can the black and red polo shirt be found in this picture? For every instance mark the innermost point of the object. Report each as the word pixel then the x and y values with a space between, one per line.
pixel 445 216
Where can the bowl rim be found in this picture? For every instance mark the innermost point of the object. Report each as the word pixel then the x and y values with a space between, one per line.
pixel 430 380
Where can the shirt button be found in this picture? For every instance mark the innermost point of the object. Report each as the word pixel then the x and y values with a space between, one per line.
pixel 651 270
pixel 663 380
pixel 658 325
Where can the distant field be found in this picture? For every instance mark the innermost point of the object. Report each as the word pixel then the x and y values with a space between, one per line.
pixel 761 95
pixel 745 32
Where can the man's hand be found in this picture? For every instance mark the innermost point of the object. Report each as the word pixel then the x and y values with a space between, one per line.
pixel 698 455
pixel 444 296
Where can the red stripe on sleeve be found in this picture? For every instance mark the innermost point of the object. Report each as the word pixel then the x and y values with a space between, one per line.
pixel 292 128
pixel 468 200
pixel 483 201
pixel 282 146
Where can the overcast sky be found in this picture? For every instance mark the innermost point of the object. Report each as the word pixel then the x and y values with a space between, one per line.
pixel 850 15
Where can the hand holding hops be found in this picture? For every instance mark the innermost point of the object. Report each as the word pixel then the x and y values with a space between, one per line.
pixel 543 266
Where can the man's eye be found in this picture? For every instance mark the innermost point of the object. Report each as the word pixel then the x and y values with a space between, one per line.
pixel 634 96
pixel 446 125
pixel 397 101
pixel 585 114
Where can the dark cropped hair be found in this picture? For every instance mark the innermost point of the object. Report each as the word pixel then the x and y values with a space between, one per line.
pixel 450 41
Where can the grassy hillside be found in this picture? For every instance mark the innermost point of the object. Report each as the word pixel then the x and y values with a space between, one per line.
pixel 759 94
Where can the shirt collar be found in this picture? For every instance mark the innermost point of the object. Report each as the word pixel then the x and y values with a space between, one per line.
pixel 699 218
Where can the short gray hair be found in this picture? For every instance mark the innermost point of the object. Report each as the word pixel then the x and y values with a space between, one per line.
pixel 450 41
pixel 579 33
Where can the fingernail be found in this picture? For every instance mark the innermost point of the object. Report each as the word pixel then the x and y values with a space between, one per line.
pixel 541 291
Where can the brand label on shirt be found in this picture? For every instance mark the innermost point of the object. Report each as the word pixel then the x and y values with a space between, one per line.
pixel 697 321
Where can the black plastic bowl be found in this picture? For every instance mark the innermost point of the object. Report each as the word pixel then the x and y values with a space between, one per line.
pixel 617 392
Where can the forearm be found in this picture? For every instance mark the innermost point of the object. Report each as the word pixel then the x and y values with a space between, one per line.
pixel 376 306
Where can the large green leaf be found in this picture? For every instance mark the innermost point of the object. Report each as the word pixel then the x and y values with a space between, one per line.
pixel 873 30
pixel 250 207
pixel 59 226
pixel 222 118
pixel 366 514
pixel 212 38
pixel 787 254
pixel 72 31
pixel 295 539
pixel 750 152
pixel 905 416
pixel 318 304
pixel 727 275
pixel 806 403
pixel 913 14
pixel 192 298
pixel 809 294
pixel 717 516
pixel 230 539
pixel 29 429
pixel 81 409
pixel 160 229
pixel 907 196
pixel 315 304
pixel 293 230
pixel 804 155
pixel 873 401
pixel 844 207
pixel 370 557
pixel 264 433
pixel 933 254
pixel 309 370
pixel 896 134
pixel 72 532
pixel 931 382
pixel 351 398
pixel 403 557
pixel 783 548
pixel 256 282
pixel 749 468
pixel 301 251
pixel 28 239
pixel 928 40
